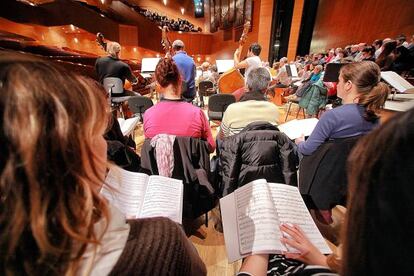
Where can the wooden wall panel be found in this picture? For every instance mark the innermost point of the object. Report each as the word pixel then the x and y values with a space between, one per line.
pixel 295 29
pixel 62 36
pixel 339 23
pixel 128 35
pixel 265 26
pixel 195 44
pixel 225 49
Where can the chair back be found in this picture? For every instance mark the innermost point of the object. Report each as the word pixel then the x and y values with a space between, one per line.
pixel 323 179
pixel 203 88
pixel 113 86
pixel 217 104
pixel 138 105
pixel 192 166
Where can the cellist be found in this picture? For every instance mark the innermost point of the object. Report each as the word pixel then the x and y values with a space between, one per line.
pixel 112 66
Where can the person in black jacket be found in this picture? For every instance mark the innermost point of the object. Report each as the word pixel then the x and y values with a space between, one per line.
pixel 260 150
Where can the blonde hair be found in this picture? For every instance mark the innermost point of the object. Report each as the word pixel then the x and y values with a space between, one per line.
pixel 366 75
pixel 49 180
pixel 113 49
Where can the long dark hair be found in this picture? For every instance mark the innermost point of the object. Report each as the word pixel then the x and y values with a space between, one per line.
pixel 378 238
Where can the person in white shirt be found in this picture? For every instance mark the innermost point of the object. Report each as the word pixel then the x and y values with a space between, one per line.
pixel 252 61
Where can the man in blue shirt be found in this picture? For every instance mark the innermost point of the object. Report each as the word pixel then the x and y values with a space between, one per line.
pixel 187 69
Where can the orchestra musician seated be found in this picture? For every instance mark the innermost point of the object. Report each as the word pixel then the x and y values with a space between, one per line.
pixel 206 73
pixel 111 66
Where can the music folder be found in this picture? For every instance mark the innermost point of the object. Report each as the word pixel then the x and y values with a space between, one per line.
pixel 397 82
pixel 332 72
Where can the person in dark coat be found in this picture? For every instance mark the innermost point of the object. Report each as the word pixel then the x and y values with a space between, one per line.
pixel 260 150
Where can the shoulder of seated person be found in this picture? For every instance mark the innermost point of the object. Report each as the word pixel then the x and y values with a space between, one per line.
pixel 157 224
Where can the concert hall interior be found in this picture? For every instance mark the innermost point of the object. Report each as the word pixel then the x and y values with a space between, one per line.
pixel 277 135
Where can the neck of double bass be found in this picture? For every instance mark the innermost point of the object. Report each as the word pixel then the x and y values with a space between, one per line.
pixel 240 51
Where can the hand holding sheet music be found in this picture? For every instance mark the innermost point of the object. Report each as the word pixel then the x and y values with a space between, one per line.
pixel 296 128
pixel 252 216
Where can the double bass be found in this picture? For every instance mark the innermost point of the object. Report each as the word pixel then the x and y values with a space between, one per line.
pixel 232 80
pixel 165 42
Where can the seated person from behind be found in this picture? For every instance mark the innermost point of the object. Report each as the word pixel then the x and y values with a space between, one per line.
pixel 206 73
pixel 362 96
pixel 282 77
pixel 252 107
pixel 54 220
pixel 379 214
pixel 173 115
pixel 112 66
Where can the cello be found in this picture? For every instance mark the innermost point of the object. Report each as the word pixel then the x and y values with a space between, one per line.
pixel 233 80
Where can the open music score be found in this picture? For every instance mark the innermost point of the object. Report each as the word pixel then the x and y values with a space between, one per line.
pixel 295 128
pixel 253 213
pixel 138 195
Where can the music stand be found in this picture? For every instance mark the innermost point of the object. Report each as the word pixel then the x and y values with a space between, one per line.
pixel 224 65
pixel 148 66
pixel 398 83
pixel 292 71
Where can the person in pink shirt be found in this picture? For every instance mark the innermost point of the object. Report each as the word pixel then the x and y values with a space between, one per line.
pixel 172 115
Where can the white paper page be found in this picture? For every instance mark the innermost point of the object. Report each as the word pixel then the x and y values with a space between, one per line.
pixel 128 125
pixel 295 128
pixel 396 81
pixel 163 198
pixel 127 193
pixel 231 240
pixel 258 226
pixel 291 209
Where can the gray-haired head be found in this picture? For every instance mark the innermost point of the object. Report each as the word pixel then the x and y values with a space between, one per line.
pixel 258 79
pixel 178 45
pixel 283 60
pixel 113 49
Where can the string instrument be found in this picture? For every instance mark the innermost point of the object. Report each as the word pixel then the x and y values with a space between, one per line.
pixel 141 86
pixel 233 80
pixel 165 41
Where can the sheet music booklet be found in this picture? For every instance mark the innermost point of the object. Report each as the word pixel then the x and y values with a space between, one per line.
pixel 295 128
pixel 253 213
pixel 138 195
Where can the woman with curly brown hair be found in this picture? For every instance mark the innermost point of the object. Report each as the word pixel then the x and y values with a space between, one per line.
pixel 53 220
pixel 173 115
